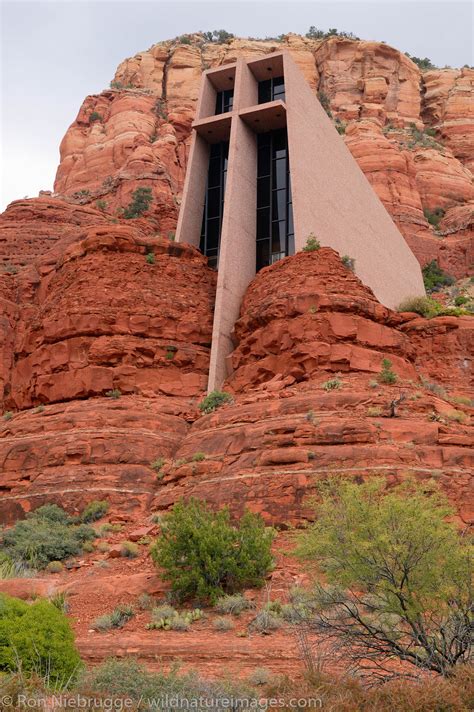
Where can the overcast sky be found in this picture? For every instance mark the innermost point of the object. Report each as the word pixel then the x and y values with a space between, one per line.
pixel 55 53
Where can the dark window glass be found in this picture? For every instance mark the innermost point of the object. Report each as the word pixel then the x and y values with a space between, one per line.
pixel 263 192
pixel 275 237
pixel 263 253
pixel 279 236
pixel 214 202
pixel 264 91
pixel 264 161
pixel 279 174
pixel 291 228
pixel 224 101
pixel 263 223
pixel 279 204
pixel 271 89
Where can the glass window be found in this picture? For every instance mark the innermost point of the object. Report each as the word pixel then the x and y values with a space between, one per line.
pixel 224 101
pixel 214 202
pixel 263 223
pixel 265 91
pixel 275 233
pixel 279 174
pixel 263 192
pixel 271 89
pixel 263 253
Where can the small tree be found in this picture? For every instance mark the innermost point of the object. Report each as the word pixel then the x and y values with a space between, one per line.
pixel 400 577
pixel 141 199
pixel 386 374
pixel 204 555
pixel 214 400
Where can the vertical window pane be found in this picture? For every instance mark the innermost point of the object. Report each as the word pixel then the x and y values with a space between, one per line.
pixel 263 192
pixel 263 253
pixel 279 204
pixel 279 236
pixel 279 174
pixel 263 223
pixel 264 91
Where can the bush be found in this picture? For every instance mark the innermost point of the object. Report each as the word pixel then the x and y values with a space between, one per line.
pixel 141 200
pixel 8 415
pixel 312 244
pixel 95 116
pixel 116 619
pixel 166 617
pixel 233 604
pixel 54 567
pixel 266 622
pixel 94 511
pixel 434 217
pixel 434 277
pixel 150 258
pixel 425 306
pixel 157 464
pixel 214 400
pixel 459 301
pixel 386 374
pixel 332 385
pixel 47 534
pixel 115 393
pixel 218 36
pixel 223 624
pixel 204 555
pixel 198 457
pixel 129 550
pixel 101 205
pixel 348 262
pixel 38 638
pixel 423 64
pixel 325 103
pixel 398 576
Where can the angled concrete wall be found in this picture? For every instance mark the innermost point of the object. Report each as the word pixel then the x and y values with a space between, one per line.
pixel 333 199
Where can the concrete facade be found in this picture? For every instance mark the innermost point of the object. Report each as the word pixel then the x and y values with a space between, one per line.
pixel 331 196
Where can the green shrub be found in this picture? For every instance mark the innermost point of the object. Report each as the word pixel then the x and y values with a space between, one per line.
pixel 218 36
pixel 95 116
pixel 332 385
pixel 47 534
pixel 198 457
pixel 54 567
pixel 101 205
pixel 115 393
pixel 386 374
pixel 157 464
pixel 266 622
pixel 348 262
pixel 94 511
pixel 397 571
pixel 8 415
pixel 223 624
pixel 233 604
pixel 459 301
pixel 434 277
pixel 261 676
pixel 117 619
pixel 423 64
pixel 184 39
pixel 166 617
pixel 129 550
pixel 38 638
pixel 214 400
pixel 425 306
pixel 204 555
pixel 150 258
pixel 434 216
pixel 140 203
pixel 312 244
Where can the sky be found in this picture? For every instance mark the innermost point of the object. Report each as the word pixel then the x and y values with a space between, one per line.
pixel 55 53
